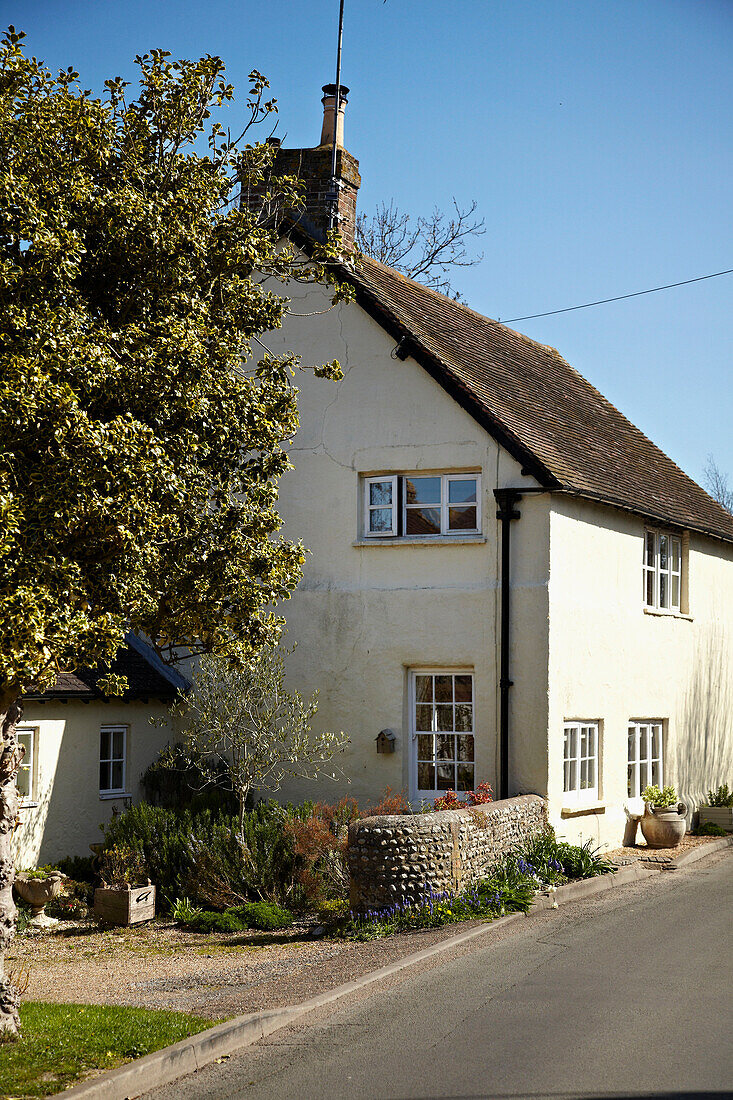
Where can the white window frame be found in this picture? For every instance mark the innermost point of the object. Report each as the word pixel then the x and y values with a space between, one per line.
pixel 369 507
pixel 418 794
pixel 641 730
pixel 656 572
pixel 29 764
pixel 575 794
pixel 400 508
pixel 112 792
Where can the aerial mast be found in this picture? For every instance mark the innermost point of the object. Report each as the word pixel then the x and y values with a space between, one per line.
pixel 335 183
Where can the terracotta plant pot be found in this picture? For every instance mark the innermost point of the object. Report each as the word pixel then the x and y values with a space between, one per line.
pixel 37 892
pixel 664 826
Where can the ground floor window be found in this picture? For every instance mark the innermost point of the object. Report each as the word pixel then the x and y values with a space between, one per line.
pixel 645 756
pixel 442 732
pixel 580 761
pixel 112 759
pixel 25 779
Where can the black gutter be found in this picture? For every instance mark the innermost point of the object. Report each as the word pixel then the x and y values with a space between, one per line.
pixel 506 499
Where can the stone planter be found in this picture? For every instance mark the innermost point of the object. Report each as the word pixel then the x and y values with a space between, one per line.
pixel 664 826
pixel 717 815
pixel 37 892
pixel 125 905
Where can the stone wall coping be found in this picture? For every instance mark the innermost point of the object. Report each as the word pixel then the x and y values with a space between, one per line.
pixel 443 817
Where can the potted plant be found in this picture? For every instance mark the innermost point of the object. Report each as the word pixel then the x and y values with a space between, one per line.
pixel 719 808
pixel 664 822
pixel 126 895
pixel 37 888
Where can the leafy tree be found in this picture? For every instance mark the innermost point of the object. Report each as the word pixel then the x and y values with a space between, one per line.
pixel 716 483
pixel 142 440
pixel 239 720
pixel 425 249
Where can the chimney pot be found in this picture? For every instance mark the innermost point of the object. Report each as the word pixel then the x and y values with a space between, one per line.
pixel 329 107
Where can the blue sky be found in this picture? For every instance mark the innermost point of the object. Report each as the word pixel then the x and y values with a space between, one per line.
pixel 594 135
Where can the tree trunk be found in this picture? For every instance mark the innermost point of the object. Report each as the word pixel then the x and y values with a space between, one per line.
pixel 11 755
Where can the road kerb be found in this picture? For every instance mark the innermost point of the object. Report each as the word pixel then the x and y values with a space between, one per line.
pixel 166 1065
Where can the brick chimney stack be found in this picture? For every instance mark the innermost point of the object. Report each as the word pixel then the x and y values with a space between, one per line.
pixel 314 168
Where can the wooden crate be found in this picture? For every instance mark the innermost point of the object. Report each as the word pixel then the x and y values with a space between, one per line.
pixel 717 815
pixel 130 906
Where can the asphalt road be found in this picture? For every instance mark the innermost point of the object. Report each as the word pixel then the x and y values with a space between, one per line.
pixel 622 995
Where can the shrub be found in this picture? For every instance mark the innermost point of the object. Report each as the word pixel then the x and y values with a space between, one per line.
pixel 481 795
pixel 710 829
pixel 184 911
pixel 390 803
pixel 120 865
pixel 78 868
pixel 722 797
pixel 208 922
pixel 265 916
pixel 64 907
pixel 175 782
pixel 451 801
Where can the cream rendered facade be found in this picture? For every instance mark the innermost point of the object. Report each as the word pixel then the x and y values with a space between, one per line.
pixel 370 611
pixel 65 809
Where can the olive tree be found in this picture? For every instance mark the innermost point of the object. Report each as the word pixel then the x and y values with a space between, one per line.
pixel 239 722
pixel 142 436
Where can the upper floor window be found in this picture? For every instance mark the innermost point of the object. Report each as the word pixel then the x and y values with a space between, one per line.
pixel 662 570
pixel 422 506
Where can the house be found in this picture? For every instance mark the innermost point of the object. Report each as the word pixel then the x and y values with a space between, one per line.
pixel 504 571
pixel 86 752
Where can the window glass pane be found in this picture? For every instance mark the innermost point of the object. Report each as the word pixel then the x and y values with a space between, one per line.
pixel 676 548
pixel 464 717
pixel 465 777
pixel 632 744
pixel 25 738
pixel 118 744
pixel 445 747
pixel 649 589
pixel 461 492
pixel 117 775
pixel 426 777
pixel 380 492
pixel 422 521
pixel 465 748
pixel 23 782
pixel 104 744
pixel 446 777
pixel 663 590
pixel 423 717
pixel 650 548
pixel 656 773
pixel 643 742
pixel 464 689
pixel 584 746
pixel 583 774
pixel 443 689
pixel 445 716
pixel 632 783
pixel 675 601
pixel 663 544
pixel 643 775
pixel 571 775
pixel 656 741
pixel 424 689
pixel 104 774
pixel 422 490
pixel 380 519
pixel 425 746
pixel 462 519
pixel 592 772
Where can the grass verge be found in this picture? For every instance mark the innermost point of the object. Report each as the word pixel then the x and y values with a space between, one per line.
pixel 61 1043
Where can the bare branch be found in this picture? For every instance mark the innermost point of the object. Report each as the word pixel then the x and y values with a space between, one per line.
pixel 426 249
pixel 716 483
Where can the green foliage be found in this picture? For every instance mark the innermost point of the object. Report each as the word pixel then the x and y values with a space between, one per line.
pixel 142 439
pixel 266 916
pixel 722 797
pixel 61 1043
pixel 78 868
pixel 119 865
pixel 184 911
pixel 210 923
pixel 176 781
pixel 665 796
pixel 710 829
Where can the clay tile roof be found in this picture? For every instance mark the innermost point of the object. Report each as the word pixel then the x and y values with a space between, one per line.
pixel 546 414
pixel 147 676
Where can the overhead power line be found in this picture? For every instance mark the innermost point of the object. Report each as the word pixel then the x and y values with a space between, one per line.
pixel 618 298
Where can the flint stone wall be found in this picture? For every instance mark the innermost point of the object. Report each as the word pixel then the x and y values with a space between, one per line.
pixel 392 858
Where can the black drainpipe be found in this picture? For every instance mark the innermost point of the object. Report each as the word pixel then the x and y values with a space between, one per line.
pixel 506 499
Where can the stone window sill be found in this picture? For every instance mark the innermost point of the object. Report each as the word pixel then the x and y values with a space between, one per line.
pixel 662 613
pixel 105 796
pixel 583 811
pixel 28 804
pixel 437 540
